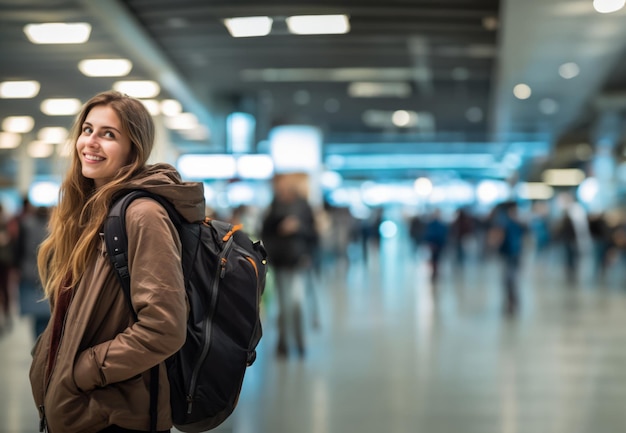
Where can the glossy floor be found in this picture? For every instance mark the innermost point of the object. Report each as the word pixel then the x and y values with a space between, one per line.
pixel 394 355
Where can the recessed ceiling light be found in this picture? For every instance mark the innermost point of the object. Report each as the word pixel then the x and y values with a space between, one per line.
pixel 301 97
pixel 548 106
pixel 401 118
pixel 245 27
pixel 19 89
pixel 608 6
pixel 318 24
pixel 490 22
pixel 138 89
pixel 522 91
pixel 18 124
pixel 569 70
pixel 332 105
pixel 60 106
pixel 105 67
pixel 58 33
pixel 474 114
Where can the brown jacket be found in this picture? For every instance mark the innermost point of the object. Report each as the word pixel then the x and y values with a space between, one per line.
pixel 101 373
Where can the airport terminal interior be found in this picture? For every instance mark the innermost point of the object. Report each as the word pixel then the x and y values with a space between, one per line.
pixel 464 161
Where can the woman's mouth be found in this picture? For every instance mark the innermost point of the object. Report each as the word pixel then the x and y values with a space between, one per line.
pixel 93 158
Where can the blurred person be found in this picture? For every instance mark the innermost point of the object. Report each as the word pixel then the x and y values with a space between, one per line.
pixel 313 274
pixel 377 220
pixel 436 237
pixel 91 365
pixel 513 231
pixel 364 235
pixel 33 228
pixel 416 232
pixel 341 230
pixel 461 229
pixel 7 258
pixel 290 237
pixel 540 226
pixel 601 236
pixel 246 215
pixel 573 233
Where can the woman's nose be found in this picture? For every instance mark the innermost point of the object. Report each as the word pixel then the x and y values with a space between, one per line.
pixel 92 140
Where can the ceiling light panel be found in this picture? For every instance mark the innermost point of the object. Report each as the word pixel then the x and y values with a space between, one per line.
pixel 58 33
pixel 18 124
pixel 53 134
pixel 19 89
pixel 535 191
pixel 318 24
pixel 214 166
pixel 181 122
pixel 60 106
pixel 563 177
pixel 105 67
pixel 246 27
pixel 364 89
pixel 40 149
pixel 171 107
pixel 139 88
pixel 152 105
pixel 9 140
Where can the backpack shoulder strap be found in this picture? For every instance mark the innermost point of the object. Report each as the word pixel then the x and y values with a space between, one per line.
pixel 116 243
pixel 115 237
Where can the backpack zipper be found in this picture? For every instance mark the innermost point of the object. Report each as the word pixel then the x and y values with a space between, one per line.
pixel 208 325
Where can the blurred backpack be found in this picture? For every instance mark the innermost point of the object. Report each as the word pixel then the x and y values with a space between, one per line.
pixel 224 274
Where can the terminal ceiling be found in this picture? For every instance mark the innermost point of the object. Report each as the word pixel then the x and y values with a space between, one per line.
pixel 454 63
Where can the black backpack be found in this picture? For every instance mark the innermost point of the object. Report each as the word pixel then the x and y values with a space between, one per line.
pixel 224 274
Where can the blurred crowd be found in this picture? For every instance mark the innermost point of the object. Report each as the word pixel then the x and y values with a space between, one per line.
pixel 20 290
pixel 303 239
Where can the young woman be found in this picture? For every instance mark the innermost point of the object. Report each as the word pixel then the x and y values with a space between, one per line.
pixel 90 368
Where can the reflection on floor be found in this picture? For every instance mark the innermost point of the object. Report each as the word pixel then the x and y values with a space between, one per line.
pixel 395 355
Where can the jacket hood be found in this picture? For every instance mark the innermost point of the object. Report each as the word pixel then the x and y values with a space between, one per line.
pixel 164 180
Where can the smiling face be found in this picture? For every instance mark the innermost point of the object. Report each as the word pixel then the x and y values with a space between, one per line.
pixel 103 146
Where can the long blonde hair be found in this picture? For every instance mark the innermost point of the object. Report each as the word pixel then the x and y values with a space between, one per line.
pixel 76 222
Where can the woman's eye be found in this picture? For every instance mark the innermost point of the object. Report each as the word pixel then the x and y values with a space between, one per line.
pixel 109 134
pixel 87 129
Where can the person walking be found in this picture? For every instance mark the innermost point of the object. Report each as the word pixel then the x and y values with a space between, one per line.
pixel 462 229
pixel 513 231
pixel 91 365
pixel 436 237
pixel 7 257
pixel 290 237
pixel 32 230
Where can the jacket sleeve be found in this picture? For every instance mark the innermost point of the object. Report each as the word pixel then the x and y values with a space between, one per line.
pixel 158 298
